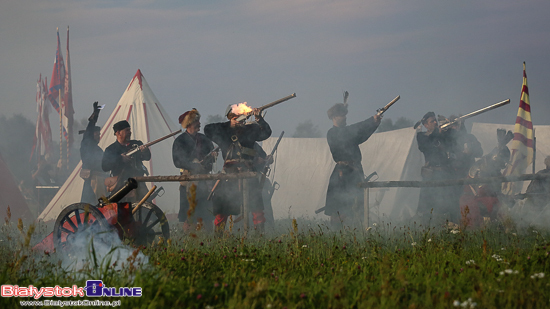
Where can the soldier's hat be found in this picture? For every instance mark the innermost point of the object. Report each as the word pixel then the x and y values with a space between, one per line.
pixel 424 119
pixel 121 125
pixel 229 112
pixel 338 109
pixel 189 117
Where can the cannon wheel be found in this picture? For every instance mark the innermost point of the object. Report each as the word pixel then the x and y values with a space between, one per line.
pixel 74 219
pixel 152 223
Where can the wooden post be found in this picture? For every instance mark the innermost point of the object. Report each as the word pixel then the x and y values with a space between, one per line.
pixel 246 204
pixel 366 208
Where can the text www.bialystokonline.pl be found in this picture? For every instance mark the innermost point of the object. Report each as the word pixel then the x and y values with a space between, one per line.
pixel 63 303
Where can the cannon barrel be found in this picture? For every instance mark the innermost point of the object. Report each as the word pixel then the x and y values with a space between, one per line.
pixel 130 185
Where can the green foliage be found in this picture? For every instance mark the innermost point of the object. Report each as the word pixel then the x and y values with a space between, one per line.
pixel 307 129
pixel 305 265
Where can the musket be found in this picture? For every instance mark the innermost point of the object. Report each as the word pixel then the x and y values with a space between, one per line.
pixel 382 110
pixel 136 149
pixel 265 168
pixel 475 113
pixel 261 108
pixel 369 177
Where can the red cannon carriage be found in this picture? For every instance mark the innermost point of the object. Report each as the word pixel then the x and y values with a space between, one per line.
pixel 142 225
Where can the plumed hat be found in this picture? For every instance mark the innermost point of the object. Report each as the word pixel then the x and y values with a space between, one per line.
pixel 338 109
pixel 189 117
pixel 121 125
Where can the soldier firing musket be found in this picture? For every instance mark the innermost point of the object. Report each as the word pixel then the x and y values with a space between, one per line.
pixel 449 151
pixel 237 140
pixel 246 115
pixel 344 201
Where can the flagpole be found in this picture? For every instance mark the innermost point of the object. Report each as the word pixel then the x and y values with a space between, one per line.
pixel 66 99
pixel 60 112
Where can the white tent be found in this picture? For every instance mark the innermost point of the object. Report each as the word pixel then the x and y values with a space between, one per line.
pixel 149 121
pixel 303 167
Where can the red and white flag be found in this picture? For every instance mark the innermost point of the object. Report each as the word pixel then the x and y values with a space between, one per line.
pixel 522 144
pixel 68 118
pixel 43 133
pixel 57 83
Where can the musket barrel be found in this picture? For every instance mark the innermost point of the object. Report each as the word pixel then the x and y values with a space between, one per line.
pixel 475 113
pixel 261 108
pixel 278 101
pixel 385 108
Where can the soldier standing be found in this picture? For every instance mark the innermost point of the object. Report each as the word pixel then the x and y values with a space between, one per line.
pixel 435 145
pixel 91 155
pixel 192 153
pixel 236 140
pixel 122 166
pixel 344 199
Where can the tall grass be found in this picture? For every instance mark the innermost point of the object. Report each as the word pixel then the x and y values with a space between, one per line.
pixel 303 264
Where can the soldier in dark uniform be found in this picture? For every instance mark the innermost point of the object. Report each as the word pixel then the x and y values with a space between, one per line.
pixel 122 166
pixel 91 155
pixel 236 140
pixel 435 145
pixel 466 148
pixel 484 200
pixel 192 153
pixel 344 200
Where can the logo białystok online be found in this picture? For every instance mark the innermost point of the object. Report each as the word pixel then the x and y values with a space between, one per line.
pixel 94 288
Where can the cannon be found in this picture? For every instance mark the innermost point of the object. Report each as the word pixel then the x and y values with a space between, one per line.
pixel 142 225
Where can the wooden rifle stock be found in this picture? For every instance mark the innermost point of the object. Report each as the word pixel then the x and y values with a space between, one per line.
pixel 265 168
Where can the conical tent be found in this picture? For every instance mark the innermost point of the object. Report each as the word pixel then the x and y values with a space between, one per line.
pixel 11 196
pixel 149 121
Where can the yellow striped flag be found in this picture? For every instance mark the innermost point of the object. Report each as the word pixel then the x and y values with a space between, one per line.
pixel 522 144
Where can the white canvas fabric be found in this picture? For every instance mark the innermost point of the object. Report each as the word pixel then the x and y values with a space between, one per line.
pixel 303 167
pixel 149 121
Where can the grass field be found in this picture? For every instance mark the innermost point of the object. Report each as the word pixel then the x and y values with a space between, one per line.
pixel 302 264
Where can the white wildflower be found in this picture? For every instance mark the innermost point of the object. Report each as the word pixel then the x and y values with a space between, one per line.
pixel 456 303
pixel 413 244
pixel 539 275
pixel 470 262
pixel 374 224
pixel 304 246
pixel 508 271
pixel 268 306
pixel 248 260
pixel 369 228
pixel 430 240
pixel 455 231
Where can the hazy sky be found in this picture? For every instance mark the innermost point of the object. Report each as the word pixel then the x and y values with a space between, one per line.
pixel 444 56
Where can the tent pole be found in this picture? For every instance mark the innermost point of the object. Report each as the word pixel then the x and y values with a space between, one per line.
pixel 534 150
